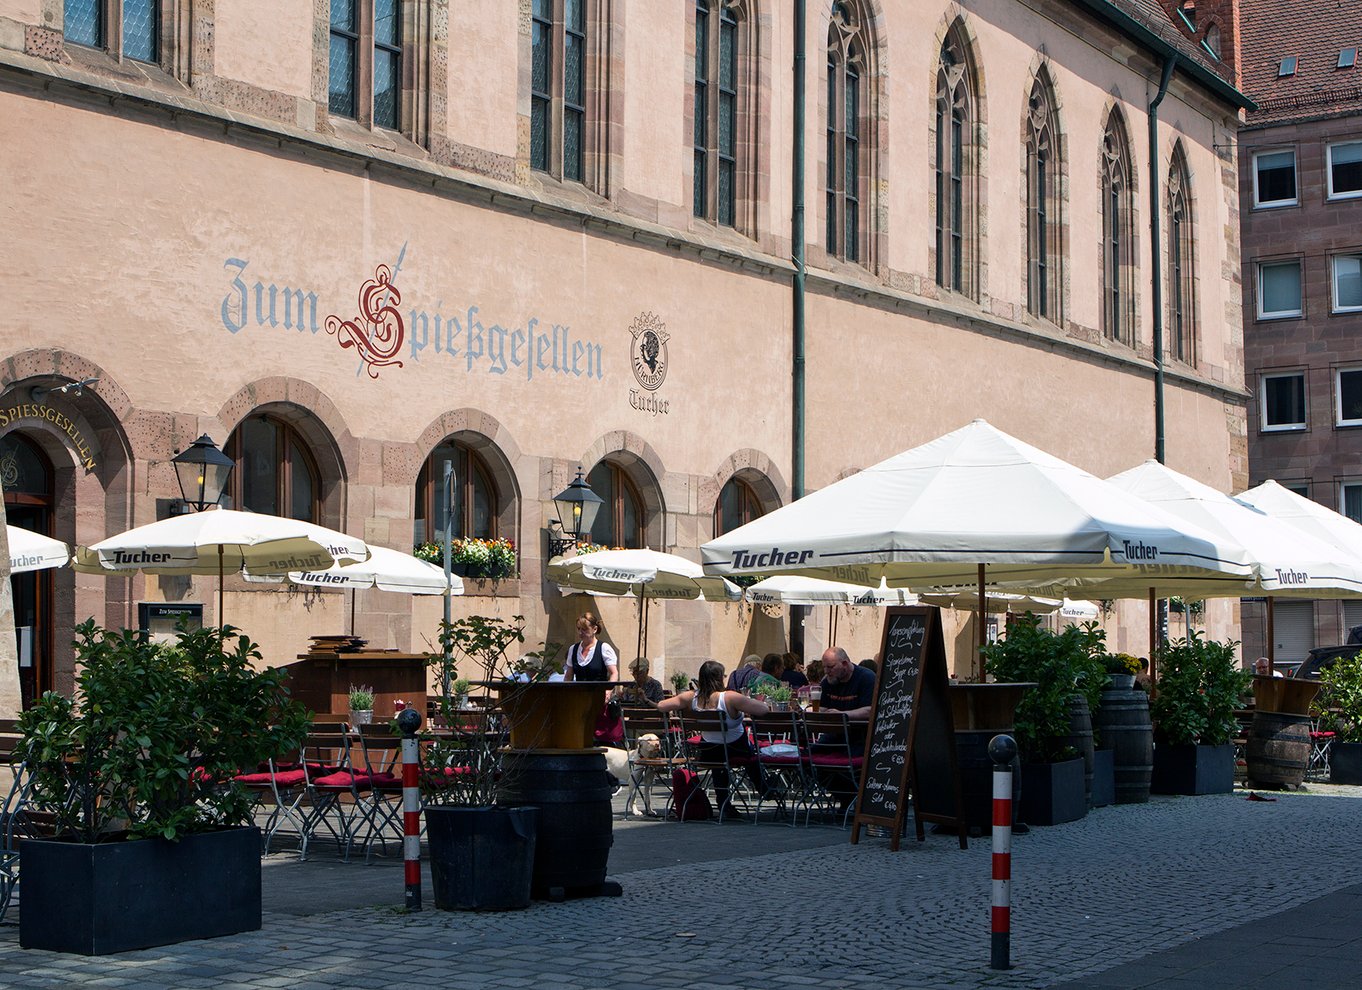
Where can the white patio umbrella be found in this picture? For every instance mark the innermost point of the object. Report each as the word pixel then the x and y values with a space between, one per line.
pixel 975 506
pixel 220 541
pixel 994 601
pixel 30 551
pixel 386 570
pixel 644 574
pixel 794 589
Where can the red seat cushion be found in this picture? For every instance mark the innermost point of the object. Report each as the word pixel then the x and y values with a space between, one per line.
pixel 342 780
pixel 831 760
pixel 284 778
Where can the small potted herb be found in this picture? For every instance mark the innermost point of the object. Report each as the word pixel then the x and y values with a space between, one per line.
pixel 680 681
pixel 779 698
pixel 361 705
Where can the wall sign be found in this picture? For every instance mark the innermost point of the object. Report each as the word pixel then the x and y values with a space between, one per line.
pixel 63 422
pixel 648 359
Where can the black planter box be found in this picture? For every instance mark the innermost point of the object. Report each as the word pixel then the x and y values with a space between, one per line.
pixel 1193 769
pixel 481 859
pixel 1345 763
pixel 116 896
pixel 1103 778
pixel 1052 793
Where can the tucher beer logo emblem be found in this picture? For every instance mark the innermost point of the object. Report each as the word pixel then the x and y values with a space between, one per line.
pixel 649 354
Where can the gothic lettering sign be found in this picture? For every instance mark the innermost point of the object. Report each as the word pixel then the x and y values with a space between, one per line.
pixel 39 410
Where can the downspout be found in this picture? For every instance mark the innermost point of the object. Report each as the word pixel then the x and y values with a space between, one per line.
pixel 797 243
pixel 1156 254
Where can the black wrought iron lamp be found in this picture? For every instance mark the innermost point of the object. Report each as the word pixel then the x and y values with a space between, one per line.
pixel 202 471
pixel 577 507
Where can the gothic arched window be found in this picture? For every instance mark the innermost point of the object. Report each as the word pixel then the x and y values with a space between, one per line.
pixel 1118 240
pixel 956 168
pixel 1044 275
pixel 846 128
pixel 1182 323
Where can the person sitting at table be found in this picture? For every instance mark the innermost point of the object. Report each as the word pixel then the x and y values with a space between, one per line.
pixel 1263 668
pixel 645 690
pixel 739 679
pixel 768 679
pixel 793 674
pixel 710 695
pixel 590 659
pixel 814 672
pixel 848 688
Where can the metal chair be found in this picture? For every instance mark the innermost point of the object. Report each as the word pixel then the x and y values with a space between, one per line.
pixel 646 772
pixel 713 763
pixel 832 757
pixel 784 763
pixel 381 763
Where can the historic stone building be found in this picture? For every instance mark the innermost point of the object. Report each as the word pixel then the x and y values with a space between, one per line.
pixel 355 240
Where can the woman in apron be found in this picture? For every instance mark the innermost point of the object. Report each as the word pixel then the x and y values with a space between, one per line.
pixel 589 659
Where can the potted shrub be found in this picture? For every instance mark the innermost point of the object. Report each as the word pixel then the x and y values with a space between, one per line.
pixel 1193 710
pixel 1339 707
pixel 1052 770
pixel 473 558
pixel 361 705
pixel 779 697
pixel 1121 669
pixel 152 838
pixel 680 681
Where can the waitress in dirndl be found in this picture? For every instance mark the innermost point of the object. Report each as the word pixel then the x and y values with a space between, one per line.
pixel 590 659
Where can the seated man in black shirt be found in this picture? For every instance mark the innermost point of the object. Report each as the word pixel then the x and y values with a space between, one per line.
pixel 847 688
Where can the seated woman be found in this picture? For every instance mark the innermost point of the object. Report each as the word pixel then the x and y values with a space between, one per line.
pixel 709 696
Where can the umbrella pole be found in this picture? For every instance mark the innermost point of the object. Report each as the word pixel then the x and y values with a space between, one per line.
pixel 642 618
pixel 220 579
pixel 1271 637
pixel 1153 632
pixel 353 592
pixel 979 654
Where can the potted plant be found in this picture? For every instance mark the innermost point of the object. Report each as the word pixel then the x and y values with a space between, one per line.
pixel 779 697
pixel 473 558
pixel 361 705
pixel 1121 669
pixel 1193 709
pixel 152 837
pixel 680 681
pixel 1339 707
pixel 1052 770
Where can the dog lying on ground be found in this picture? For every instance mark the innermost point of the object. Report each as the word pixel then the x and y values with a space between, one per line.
pixel 618 764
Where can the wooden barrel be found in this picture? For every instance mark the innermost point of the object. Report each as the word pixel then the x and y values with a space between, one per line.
pixel 1080 738
pixel 1278 750
pixel 1123 724
pixel 572 793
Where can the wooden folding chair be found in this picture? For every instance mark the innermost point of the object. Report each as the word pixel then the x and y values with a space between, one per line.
pixel 646 772
pixel 706 760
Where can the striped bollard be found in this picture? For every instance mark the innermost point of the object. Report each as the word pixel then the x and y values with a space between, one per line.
pixel 1002 750
pixel 409 720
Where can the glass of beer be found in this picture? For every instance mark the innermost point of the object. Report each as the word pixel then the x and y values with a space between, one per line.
pixel 815 696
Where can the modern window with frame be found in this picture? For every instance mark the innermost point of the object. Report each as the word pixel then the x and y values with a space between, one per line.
pixel 1344 163
pixel 558 58
pixel 846 82
pixel 955 159
pixel 364 73
pixel 621 518
pixel 1118 255
pixel 1347 283
pixel 1274 178
pixel 275 473
pixel 1350 500
pixel 129 29
pixel 1043 255
pixel 737 505
pixel 1348 397
pixel 715 175
pixel 477 505
pixel 1181 262
pixel 1279 290
pixel 1282 401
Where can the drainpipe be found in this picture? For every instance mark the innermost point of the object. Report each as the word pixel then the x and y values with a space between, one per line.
pixel 1156 252
pixel 797 242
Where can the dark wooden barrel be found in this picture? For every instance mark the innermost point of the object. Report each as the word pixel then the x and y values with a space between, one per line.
pixel 1123 724
pixel 572 793
pixel 1278 749
pixel 976 779
pixel 1080 738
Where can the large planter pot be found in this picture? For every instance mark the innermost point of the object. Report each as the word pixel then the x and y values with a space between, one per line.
pixel 481 859
pixel 1287 695
pixel 116 896
pixel 1345 763
pixel 1103 779
pixel 1052 793
pixel 1193 769
pixel 980 712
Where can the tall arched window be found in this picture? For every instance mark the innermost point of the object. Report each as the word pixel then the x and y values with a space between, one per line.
pixel 1043 242
pixel 558 88
pixel 275 471
pixel 956 167
pixel 1118 241
pixel 846 120
pixel 621 518
pixel 737 505
pixel 1182 323
pixel 719 48
pixel 477 504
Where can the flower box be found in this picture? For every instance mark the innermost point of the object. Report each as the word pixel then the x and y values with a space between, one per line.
pixel 1193 769
pixel 1052 793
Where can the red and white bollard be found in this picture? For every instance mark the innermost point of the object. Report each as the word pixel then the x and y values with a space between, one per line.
pixel 409 720
pixel 1003 750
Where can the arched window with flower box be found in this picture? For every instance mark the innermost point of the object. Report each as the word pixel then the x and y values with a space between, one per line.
pixel 482 544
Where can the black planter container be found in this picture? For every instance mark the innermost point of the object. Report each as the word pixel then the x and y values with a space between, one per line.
pixel 481 859
pixel 116 896
pixel 1103 778
pixel 1193 769
pixel 1345 763
pixel 1052 793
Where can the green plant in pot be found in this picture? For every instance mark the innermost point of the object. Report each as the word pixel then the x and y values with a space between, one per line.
pixel 779 697
pixel 680 681
pixel 1338 707
pixel 1193 709
pixel 361 705
pixel 143 758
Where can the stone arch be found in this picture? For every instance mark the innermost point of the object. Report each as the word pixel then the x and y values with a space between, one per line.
pixel 752 466
pixel 492 441
pixel 641 463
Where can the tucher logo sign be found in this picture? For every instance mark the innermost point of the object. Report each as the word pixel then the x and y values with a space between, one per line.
pixel 1135 550
pixel 648 359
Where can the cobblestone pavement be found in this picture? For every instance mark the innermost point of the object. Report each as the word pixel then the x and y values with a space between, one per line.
pixel 774 907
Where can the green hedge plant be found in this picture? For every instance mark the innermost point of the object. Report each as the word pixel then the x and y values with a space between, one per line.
pixel 1198 690
pixel 1339 702
pixel 1061 664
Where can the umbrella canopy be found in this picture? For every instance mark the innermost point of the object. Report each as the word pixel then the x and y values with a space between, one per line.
pixel 649 573
pixel 1308 515
pixel 217 541
pixel 928 517
pixel 792 589
pixel 994 601
pixel 29 551
pixel 386 570
pixel 1078 610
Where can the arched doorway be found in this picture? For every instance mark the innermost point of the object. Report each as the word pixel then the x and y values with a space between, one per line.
pixel 26 475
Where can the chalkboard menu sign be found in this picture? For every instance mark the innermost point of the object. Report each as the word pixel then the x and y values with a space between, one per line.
pixel 911 739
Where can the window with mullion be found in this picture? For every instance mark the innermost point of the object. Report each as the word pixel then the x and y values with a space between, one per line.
pixel 343 70
pixel 476 502
pixel 852 163
pixel 1112 222
pixel 833 167
pixel 1040 246
pixel 700 178
pixel 728 116
pixel 387 64
pixel 574 87
pixel 1175 275
pixel 952 143
pixel 83 22
pixel 541 85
